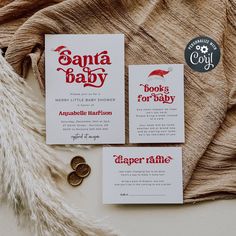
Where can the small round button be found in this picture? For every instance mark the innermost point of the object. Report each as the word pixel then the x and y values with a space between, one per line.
pixel 76 161
pixel 83 170
pixel 74 180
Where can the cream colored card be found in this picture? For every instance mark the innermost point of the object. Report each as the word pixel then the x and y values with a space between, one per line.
pixel 156 103
pixel 142 175
pixel 85 89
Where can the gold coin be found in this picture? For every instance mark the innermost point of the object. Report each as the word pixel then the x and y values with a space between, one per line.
pixel 83 170
pixel 74 180
pixel 76 161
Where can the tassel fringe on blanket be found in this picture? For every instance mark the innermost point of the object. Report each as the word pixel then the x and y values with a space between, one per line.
pixel 28 165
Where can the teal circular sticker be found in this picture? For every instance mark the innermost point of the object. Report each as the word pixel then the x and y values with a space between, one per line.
pixel 202 54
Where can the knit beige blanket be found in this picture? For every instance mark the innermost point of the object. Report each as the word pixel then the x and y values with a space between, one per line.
pixel 156 32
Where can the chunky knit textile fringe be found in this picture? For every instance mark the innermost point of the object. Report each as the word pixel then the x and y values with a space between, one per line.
pixel 28 166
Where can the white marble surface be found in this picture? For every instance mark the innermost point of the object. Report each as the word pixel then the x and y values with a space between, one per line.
pixel 210 218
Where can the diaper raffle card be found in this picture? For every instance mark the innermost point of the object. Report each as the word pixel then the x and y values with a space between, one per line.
pixel 142 175
pixel 156 103
pixel 84 89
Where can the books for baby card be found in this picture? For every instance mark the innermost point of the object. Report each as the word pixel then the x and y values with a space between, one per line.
pixel 156 103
